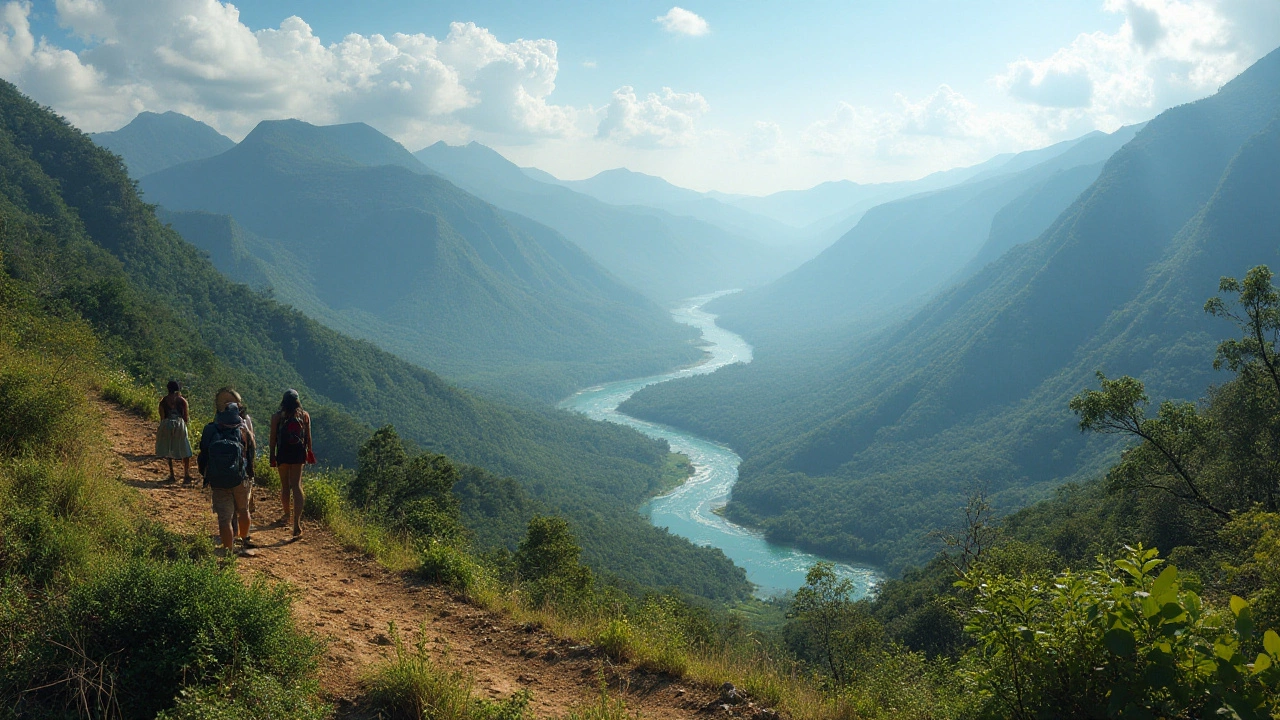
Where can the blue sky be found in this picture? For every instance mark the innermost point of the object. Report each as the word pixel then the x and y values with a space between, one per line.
pixel 743 96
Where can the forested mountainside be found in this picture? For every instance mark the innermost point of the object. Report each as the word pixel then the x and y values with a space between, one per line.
pixel 863 455
pixel 76 234
pixel 666 256
pixel 408 261
pixel 902 252
pixel 155 141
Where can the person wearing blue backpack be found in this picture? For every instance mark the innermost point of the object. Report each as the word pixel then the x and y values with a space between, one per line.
pixel 226 449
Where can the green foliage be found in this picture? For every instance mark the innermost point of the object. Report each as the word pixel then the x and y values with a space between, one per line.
pixel 411 493
pixel 830 628
pixel 412 686
pixel 324 498
pixel 547 560
pixel 249 695
pixel 1127 640
pixel 450 566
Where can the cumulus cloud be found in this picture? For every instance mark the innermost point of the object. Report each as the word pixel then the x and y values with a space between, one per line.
pixel 659 120
pixel 197 57
pixel 1165 52
pixel 683 22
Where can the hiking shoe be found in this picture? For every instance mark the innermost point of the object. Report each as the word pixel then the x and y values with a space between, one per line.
pixel 249 543
pixel 246 552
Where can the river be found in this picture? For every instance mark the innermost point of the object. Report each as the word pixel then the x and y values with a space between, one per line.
pixel 688 510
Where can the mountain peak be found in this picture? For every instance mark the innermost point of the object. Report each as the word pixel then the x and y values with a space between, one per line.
pixel 348 144
pixel 154 141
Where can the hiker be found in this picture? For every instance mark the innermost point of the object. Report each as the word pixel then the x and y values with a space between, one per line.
pixel 171 437
pixel 225 449
pixel 221 399
pixel 290 450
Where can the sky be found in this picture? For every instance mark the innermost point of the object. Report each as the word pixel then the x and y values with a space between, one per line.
pixel 746 96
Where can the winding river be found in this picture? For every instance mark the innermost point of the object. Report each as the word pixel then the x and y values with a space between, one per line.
pixel 688 510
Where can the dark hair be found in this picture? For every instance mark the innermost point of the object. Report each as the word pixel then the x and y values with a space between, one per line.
pixel 174 386
pixel 290 401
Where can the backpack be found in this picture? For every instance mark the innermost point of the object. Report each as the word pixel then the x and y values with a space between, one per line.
pixel 291 433
pixel 225 465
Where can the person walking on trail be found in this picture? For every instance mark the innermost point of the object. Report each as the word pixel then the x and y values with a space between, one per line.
pixel 290 450
pixel 171 437
pixel 225 448
pixel 224 397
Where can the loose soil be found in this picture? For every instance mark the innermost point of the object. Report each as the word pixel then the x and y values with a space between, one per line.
pixel 348 600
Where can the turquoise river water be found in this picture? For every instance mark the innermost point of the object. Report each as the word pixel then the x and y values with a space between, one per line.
pixel 687 510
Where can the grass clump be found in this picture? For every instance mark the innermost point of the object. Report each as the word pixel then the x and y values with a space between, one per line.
pixel 412 686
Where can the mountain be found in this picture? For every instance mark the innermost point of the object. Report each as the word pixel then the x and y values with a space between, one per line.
pixel 405 259
pixel 621 186
pixel 863 453
pixel 668 257
pixel 73 228
pixel 902 252
pixel 154 141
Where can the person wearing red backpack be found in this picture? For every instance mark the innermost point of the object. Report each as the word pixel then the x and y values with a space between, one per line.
pixel 290 450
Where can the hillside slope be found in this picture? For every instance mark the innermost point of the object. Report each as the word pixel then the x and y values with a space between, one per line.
pixel 154 141
pixel 667 257
pixel 412 263
pixel 901 252
pixel 871 449
pixel 73 229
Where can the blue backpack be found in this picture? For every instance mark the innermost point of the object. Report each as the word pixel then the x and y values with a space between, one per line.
pixel 225 465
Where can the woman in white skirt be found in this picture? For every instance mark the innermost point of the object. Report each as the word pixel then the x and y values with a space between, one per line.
pixel 172 442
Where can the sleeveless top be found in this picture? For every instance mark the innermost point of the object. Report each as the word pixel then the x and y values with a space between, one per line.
pixel 291 454
pixel 172 411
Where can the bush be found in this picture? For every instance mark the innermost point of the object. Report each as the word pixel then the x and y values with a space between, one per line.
pixel 154 628
pixel 248 696
pixel 324 499
pixel 39 409
pixel 1120 641
pixel 124 391
pixel 447 565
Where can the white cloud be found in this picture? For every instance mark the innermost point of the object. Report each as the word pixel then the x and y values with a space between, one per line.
pixel 197 57
pixel 1166 52
pixel 683 22
pixel 763 143
pixel 665 120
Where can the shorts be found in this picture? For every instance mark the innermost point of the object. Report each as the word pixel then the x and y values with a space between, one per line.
pixel 227 501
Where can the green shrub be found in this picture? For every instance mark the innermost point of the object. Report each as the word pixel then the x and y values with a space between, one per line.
pixel 39 409
pixel 324 499
pixel 447 565
pixel 616 640
pixel 248 696
pixel 124 391
pixel 155 628
pixel 1120 641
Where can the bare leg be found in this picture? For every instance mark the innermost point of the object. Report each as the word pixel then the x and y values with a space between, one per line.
pixel 298 499
pixel 171 477
pixel 186 469
pixel 228 537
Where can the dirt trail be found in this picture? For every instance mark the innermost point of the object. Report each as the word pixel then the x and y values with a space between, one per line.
pixel 348 599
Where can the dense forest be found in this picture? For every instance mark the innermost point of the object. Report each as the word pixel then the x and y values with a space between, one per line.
pixel 76 233
pixel 872 435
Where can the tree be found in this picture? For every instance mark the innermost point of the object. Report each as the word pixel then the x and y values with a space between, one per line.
pixel 1174 442
pixel 550 552
pixel 830 625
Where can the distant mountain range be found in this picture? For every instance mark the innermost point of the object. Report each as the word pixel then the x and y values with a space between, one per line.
pixel 345 224
pixel 155 141
pixel 665 255
pixel 901 252
pixel 873 439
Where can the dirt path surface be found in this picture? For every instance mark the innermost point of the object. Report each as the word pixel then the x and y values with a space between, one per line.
pixel 349 600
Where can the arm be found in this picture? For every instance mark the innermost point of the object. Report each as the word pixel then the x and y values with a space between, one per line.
pixel 186 411
pixel 250 449
pixel 164 412
pixel 307 415
pixel 271 434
